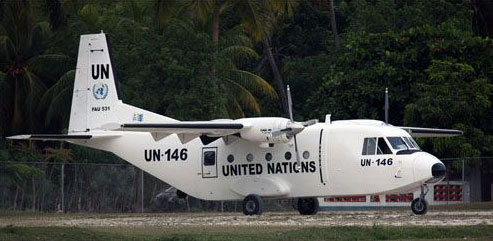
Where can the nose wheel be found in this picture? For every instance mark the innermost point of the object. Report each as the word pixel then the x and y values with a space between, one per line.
pixel 419 206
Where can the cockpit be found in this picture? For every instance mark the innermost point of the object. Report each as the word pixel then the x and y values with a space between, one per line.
pixel 380 145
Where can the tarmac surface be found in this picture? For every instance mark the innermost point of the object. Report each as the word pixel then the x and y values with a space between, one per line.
pixel 328 219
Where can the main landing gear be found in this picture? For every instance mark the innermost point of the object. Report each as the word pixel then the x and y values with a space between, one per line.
pixel 307 206
pixel 419 206
pixel 252 205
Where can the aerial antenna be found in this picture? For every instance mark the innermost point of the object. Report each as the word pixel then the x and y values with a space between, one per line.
pixel 386 105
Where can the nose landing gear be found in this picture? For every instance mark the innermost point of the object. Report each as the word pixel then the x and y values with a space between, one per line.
pixel 419 206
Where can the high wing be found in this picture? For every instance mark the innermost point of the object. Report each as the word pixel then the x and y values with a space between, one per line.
pixel 64 137
pixel 186 130
pixel 430 132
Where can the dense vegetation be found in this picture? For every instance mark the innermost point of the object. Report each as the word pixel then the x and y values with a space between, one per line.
pixel 209 59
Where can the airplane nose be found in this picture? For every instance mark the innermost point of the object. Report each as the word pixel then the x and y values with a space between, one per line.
pixel 428 168
pixel 438 170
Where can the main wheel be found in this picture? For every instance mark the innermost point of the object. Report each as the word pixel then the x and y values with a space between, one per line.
pixel 252 205
pixel 419 206
pixel 308 206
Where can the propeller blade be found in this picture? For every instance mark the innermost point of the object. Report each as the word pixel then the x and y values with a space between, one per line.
pixel 277 133
pixel 309 122
pixel 290 104
pixel 296 127
pixel 296 151
pixel 292 128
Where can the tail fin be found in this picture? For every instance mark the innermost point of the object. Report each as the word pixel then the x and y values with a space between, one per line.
pixel 95 103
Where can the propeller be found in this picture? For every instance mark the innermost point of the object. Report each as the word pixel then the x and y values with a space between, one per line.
pixel 296 127
pixel 290 108
pixel 293 127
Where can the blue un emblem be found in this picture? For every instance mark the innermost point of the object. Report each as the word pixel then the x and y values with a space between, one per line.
pixel 100 91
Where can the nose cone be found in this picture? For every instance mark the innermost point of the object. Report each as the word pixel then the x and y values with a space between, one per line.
pixel 438 170
pixel 428 168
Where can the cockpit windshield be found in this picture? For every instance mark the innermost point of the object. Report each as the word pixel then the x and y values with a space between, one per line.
pixel 403 143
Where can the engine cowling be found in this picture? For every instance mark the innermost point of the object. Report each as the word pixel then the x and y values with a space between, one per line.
pixel 260 129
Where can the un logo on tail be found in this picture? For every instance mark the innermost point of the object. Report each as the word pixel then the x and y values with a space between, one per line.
pixel 100 91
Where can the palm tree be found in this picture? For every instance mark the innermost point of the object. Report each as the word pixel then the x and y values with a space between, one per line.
pixel 328 6
pixel 235 48
pixel 28 70
pixel 241 85
pixel 261 18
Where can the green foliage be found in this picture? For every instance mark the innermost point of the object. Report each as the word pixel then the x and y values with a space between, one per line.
pixel 28 68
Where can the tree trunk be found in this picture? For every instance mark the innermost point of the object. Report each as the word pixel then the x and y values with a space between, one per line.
pixel 277 76
pixel 216 17
pixel 215 22
pixel 482 22
pixel 334 24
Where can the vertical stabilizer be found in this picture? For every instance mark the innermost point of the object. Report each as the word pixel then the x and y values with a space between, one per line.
pixel 95 101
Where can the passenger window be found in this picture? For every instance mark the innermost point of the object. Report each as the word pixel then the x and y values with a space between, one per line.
pixel 369 146
pixel 382 147
pixel 209 158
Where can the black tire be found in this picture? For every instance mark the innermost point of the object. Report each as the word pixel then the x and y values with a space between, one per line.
pixel 252 205
pixel 419 206
pixel 308 206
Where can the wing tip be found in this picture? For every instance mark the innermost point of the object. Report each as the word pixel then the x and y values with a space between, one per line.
pixel 19 137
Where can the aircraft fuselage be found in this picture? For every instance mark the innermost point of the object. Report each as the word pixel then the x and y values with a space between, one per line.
pixel 331 163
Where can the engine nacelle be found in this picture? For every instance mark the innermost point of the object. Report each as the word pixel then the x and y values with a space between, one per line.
pixel 261 128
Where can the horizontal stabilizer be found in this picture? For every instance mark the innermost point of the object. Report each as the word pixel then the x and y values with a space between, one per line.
pixel 430 132
pixel 63 137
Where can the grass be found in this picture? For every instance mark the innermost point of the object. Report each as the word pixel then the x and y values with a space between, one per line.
pixel 270 232
pixel 11 233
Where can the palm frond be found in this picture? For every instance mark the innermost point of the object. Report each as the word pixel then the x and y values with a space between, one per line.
pixel 200 9
pixel 7 50
pixel 234 108
pixel 253 82
pixel 284 7
pixel 254 15
pixel 39 33
pixel 56 100
pixel 239 53
pixel 50 66
pixel 242 95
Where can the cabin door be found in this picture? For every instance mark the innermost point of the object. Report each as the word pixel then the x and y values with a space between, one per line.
pixel 209 162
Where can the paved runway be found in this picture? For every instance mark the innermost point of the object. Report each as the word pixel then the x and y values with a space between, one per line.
pixel 332 218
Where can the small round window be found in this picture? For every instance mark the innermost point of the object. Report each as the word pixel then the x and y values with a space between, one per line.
pixel 268 157
pixel 231 158
pixel 287 155
pixel 306 154
pixel 249 157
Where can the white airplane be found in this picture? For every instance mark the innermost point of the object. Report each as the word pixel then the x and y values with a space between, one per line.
pixel 248 159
